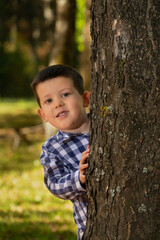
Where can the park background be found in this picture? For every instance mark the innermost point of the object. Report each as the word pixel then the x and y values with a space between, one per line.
pixel 34 34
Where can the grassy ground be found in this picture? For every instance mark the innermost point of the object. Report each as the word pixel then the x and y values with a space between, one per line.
pixel 18 113
pixel 27 210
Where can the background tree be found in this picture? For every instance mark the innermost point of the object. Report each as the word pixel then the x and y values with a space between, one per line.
pixel 84 65
pixel 64 35
pixel 34 34
pixel 123 177
pixel 26 28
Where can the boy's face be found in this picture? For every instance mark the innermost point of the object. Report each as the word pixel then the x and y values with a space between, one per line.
pixel 62 105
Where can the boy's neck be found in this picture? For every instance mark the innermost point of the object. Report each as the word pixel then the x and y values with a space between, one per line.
pixel 84 128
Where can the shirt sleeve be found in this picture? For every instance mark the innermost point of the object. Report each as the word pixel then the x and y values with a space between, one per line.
pixel 61 181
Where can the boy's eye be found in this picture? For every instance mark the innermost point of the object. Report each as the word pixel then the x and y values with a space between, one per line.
pixel 48 100
pixel 65 94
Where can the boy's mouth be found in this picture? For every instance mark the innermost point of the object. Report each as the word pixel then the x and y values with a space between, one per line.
pixel 62 114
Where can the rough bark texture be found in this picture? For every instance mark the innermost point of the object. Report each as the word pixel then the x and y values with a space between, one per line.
pixel 123 179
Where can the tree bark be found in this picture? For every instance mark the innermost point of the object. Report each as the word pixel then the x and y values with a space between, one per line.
pixel 123 185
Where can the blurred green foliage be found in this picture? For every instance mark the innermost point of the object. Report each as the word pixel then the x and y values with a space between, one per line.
pixel 26 35
pixel 80 22
pixel 23 28
pixel 15 74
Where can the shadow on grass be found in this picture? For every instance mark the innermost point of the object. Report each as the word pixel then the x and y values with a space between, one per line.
pixel 33 231
pixel 19 120
pixel 23 228
pixel 28 214
pixel 21 159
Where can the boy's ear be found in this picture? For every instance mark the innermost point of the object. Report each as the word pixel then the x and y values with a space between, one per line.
pixel 86 99
pixel 42 114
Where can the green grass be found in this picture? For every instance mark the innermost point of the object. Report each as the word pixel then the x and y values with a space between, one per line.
pixel 15 106
pixel 28 211
pixel 18 113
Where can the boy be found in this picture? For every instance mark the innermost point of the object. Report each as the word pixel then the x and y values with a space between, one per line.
pixel 62 101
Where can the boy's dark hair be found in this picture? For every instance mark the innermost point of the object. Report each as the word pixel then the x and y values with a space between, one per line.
pixel 57 71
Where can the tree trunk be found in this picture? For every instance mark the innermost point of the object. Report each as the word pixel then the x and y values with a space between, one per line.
pixel 85 66
pixel 63 42
pixel 123 186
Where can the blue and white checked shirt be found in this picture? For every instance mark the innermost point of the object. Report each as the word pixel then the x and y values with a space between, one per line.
pixel 60 158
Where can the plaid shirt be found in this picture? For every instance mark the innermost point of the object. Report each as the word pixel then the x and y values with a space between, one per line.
pixel 60 158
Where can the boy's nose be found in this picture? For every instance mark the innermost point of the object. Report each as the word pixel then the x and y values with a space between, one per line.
pixel 58 104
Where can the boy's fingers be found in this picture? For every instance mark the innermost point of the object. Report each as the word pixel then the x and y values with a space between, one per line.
pixel 85 152
pixel 83 159
pixel 82 167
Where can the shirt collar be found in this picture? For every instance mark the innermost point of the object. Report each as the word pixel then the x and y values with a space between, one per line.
pixel 64 136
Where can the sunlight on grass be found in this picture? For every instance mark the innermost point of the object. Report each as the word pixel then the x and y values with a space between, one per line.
pixel 25 202
pixel 16 113
pixel 27 210
pixel 13 106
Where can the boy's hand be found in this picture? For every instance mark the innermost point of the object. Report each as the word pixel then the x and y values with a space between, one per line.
pixel 83 165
